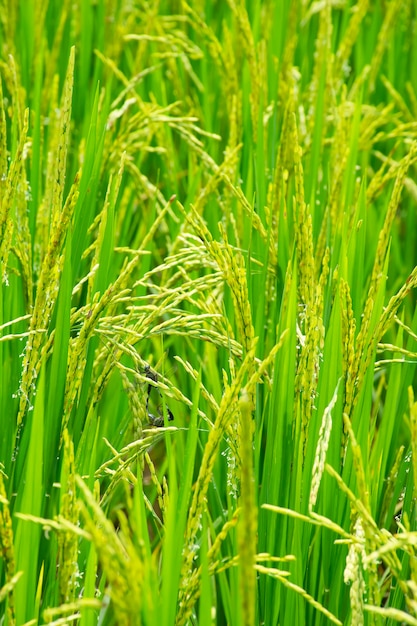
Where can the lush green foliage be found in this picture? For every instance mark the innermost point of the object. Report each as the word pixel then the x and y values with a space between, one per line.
pixel 221 192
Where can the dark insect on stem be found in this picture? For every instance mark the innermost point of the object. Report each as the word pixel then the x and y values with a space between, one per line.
pixel 153 419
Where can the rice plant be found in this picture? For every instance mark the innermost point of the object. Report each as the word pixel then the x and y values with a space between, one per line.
pixel 207 312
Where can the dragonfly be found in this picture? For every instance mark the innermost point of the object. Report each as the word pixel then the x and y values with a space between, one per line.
pixel 155 420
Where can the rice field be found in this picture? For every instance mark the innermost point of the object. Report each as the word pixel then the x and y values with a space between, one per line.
pixel 208 327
